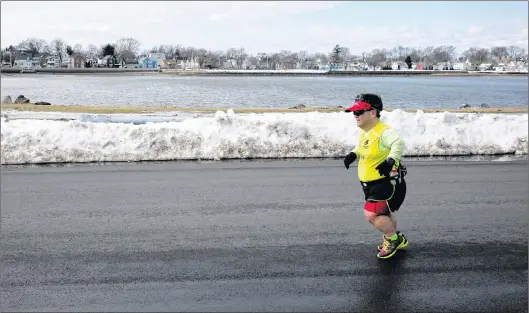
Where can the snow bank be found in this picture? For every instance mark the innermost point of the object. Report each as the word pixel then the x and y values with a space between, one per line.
pixel 271 135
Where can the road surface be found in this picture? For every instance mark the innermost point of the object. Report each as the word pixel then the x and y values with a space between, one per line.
pixel 260 236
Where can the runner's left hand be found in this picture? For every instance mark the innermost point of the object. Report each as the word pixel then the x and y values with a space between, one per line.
pixel 385 167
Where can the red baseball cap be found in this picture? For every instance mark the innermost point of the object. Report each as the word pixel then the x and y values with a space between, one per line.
pixel 366 101
pixel 359 105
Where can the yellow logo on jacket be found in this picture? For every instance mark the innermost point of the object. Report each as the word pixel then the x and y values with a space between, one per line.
pixel 370 154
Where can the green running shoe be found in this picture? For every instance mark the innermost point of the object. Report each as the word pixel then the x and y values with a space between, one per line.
pixel 379 247
pixel 390 247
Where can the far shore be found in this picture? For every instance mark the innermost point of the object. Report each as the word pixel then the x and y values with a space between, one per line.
pixel 253 73
pixel 107 109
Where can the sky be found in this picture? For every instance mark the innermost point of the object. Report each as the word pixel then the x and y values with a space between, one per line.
pixel 270 26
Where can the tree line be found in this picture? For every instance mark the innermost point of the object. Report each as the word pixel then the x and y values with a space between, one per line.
pixel 128 49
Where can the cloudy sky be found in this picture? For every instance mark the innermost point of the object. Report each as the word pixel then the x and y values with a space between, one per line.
pixel 270 26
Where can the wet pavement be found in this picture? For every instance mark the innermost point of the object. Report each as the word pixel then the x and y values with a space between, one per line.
pixel 260 236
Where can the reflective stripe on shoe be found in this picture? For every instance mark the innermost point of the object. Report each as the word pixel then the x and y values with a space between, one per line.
pixel 389 247
pixel 379 247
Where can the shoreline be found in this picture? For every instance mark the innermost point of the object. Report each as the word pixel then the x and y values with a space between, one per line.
pixel 107 109
pixel 254 73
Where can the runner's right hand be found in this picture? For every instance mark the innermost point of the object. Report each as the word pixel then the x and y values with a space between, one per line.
pixel 350 158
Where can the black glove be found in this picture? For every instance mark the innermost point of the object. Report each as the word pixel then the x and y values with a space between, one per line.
pixel 385 167
pixel 350 158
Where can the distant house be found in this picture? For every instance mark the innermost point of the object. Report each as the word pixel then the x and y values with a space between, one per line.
pixel 27 59
pixel 444 66
pixel 134 63
pixel 230 64
pixel 399 65
pixel 53 61
pixel 486 67
pixel 148 63
pixel 23 64
pixel 289 63
pixel 356 66
pixel 472 65
pixel 77 61
pixel 168 63
pixel 109 61
pixel 157 57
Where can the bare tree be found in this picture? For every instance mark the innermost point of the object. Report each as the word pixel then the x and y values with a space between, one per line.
pixel 78 49
pixel 499 52
pixel 252 60
pixel 516 52
pixel 476 54
pixel 450 52
pixel 57 46
pixel 427 54
pixel 215 57
pixel 377 56
pixel 170 51
pixel 274 61
pixel 12 51
pixel 346 54
pixel 241 57
pixel 231 53
pixel 263 60
pixel 303 58
pixel 127 48
pixel 323 57
pixel 34 46
pixel 201 57
pixel 92 51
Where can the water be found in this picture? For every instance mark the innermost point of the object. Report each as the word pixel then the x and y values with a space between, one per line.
pixel 162 90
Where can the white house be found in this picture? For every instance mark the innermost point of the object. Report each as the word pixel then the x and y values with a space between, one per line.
pixel 462 66
pixel 399 65
pixel 466 66
pixel 500 67
pixel 53 61
pixel 485 66
pixel 356 66
pixel 23 64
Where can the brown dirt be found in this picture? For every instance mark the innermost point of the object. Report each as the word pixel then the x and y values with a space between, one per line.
pixel 130 109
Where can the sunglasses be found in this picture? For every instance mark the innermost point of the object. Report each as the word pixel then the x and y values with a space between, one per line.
pixel 360 112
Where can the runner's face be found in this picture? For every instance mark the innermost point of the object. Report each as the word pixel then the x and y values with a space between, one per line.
pixel 363 118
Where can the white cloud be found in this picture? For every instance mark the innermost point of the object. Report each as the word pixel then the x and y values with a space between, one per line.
pixel 474 30
pixel 217 17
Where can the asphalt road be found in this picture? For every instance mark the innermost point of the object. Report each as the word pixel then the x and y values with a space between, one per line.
pixel 260 236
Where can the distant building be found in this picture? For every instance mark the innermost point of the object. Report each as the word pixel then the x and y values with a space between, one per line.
pixel 168 64
pixel 148 63
pixel 23 64
pixel 77 61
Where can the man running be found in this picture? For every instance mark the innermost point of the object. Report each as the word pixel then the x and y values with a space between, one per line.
pixel 379 151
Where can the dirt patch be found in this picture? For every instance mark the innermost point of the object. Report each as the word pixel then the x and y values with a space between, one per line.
pixel 130 109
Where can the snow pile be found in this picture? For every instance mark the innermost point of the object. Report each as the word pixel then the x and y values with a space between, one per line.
pixel 274 135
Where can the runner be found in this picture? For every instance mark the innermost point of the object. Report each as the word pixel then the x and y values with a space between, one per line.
pixel 381 174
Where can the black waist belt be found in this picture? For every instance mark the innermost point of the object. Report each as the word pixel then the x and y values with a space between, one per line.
pixel 374 182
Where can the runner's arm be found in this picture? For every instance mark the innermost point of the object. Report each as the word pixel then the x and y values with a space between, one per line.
pixel 393 141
